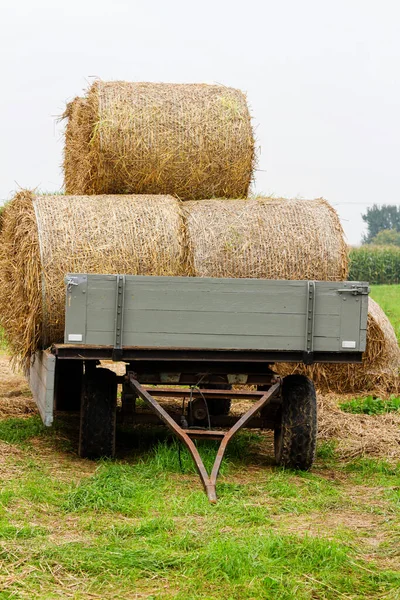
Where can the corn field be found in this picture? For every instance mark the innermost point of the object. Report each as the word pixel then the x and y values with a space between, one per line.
pixel 376 264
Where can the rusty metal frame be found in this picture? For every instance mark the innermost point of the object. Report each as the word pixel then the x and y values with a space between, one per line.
pixel 208 481
pixel 201 393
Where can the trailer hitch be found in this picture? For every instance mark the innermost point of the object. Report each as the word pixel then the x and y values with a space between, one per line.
pixel 186 435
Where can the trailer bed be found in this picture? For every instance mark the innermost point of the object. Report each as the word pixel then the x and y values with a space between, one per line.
pixel 189 318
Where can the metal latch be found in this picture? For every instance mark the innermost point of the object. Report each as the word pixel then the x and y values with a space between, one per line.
pixel 356 290
pixel 70 283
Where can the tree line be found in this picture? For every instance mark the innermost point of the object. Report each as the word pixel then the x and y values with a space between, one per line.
pixel 383 225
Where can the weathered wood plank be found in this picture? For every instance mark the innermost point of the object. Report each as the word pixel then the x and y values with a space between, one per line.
pixel 41 381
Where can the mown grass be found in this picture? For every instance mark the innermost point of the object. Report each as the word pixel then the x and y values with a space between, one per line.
pixel 17 431
pixel 141 526
pixel 388 298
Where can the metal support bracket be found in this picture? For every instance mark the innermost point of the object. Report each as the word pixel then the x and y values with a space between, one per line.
pixel 119 317
pixel 208 481
pixel 308 356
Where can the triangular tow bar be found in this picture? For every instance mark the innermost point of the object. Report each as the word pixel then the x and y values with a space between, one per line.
pixel 208 481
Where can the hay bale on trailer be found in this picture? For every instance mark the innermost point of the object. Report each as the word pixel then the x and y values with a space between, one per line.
pixel 191 140
pixel 45 237
pixel 290 239
pixel 380 368
pixel 267 238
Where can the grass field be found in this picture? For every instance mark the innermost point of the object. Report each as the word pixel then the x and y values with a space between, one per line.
pixel 141 527
pixel 388 297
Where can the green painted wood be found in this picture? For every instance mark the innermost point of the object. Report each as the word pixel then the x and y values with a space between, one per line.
pixel 184 312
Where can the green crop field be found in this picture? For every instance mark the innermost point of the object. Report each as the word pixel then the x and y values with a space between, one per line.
pixel 140 526
pixel 388 297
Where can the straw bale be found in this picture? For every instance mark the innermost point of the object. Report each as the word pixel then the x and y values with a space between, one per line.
pixel 77 167
pixel 290 239
pixel 191 140
pixel 379 370
pixel 270 238
pixel 45 237
pixel 358 435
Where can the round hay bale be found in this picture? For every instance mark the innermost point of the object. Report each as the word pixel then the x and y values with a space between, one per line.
pixel 269 238
pixel 379 370
pixel 77 167
pixel 191 140
pixel 45 237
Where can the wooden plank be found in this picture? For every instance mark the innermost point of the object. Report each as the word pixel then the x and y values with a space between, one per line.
pixel 219 300
pixel 162 340
pixel 41 381
pixel 209 341
pixel 165 321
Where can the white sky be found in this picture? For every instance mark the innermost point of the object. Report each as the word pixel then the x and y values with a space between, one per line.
pixel 322 79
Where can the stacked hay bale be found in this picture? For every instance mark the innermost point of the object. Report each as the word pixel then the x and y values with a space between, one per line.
pixel 45 237
pixel 193 141
pixel 275 238
pixel 267 238
pixel 196 143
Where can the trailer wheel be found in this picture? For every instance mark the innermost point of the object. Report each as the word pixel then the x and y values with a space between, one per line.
pixel 295 437
pixel 98 414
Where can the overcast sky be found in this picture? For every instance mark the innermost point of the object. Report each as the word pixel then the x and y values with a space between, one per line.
pixel 322 78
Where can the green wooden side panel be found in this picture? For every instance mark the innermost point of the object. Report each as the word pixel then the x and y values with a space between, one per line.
pixel 205 313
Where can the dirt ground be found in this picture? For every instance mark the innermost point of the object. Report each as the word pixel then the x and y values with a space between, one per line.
pixel 15 396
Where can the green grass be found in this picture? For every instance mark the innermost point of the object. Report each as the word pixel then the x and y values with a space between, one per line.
pixel 388 298
pixel 140 526
pixel 3 342
pixel 17 431
pixel 370 405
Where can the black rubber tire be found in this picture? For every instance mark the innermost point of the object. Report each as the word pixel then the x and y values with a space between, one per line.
pixel 296 436
pixel 98 414
pixel 219 406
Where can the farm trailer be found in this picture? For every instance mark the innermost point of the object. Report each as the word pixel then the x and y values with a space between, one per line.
pixel 205 341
